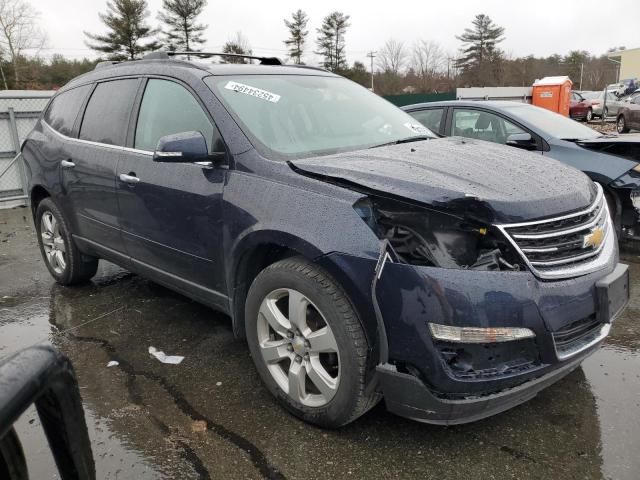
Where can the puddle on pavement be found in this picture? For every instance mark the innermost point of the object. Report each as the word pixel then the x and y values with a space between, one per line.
pixel 146 418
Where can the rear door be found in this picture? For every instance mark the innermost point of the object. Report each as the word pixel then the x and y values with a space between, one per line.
pixel 88 177
pixel 171 212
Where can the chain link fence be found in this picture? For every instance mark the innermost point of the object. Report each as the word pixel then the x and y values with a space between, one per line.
pixel 19 110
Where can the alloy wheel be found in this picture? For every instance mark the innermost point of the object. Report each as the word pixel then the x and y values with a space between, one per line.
pixel 298 347
pixel 55 249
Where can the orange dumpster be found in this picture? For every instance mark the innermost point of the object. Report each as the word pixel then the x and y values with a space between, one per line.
pixel 553 93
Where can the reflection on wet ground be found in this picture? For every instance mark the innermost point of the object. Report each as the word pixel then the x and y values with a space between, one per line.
pixel 209 417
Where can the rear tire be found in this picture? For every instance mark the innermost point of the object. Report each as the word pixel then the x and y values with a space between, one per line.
pixel 319 381
pixel 589 116
pixel 62 257
pixel 621 125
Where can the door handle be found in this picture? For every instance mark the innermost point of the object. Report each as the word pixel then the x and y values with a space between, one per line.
pixel 67 164
pixel 130 179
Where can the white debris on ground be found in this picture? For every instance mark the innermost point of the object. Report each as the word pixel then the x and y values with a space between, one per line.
pixel 164 358
pixel 112 363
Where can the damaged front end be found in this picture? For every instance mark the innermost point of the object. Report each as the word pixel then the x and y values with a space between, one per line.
pixel 426 237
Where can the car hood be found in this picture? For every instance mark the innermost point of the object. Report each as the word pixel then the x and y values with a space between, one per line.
pixel 480 180
pixel 618 146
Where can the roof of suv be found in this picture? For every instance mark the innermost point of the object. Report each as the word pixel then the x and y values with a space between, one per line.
pixel 205 67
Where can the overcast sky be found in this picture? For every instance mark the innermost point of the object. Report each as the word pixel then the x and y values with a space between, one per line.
pixel 540 28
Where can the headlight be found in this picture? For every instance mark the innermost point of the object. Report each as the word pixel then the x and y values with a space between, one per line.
pixel 449 333
pixel 422 236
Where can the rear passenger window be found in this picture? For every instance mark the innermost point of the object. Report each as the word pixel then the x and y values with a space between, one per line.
pixel 64 108
pixel 168 108
pixel 429 118
pixel 106 118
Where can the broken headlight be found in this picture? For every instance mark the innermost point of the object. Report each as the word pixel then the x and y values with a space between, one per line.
pixel 426 237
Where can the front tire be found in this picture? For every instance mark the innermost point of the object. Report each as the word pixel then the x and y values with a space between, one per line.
pixel 64 261
pixel 307 343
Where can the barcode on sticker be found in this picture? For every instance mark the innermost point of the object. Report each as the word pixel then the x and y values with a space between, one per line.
pixel 252 91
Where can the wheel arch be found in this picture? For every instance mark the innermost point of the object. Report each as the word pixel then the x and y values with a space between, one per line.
pixel 37 194
pixel 253 254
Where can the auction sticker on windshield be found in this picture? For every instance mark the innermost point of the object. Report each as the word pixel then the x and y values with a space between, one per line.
pixel 417 128
pixel 252 91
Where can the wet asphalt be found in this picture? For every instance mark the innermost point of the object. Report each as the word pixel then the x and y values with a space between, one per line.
pixel 210 417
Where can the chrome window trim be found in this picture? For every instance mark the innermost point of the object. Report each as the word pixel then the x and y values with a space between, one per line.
pixel 96 144
pixel 601 256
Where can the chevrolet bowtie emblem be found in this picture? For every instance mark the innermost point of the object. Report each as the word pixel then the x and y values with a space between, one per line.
pixel 593 239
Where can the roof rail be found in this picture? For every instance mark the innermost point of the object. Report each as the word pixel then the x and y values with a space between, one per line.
pixel 106 63
pixel 168 54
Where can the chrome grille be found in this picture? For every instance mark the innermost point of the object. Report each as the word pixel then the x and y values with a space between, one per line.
pixel 565 246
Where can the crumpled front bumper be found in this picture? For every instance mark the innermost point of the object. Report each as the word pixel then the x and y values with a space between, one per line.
pixel 407 396
pixel 418 382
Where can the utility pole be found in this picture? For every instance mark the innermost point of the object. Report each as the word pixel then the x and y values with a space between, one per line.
pixel 371 55
pixel 581 72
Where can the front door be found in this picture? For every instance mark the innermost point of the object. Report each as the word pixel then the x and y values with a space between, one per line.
pixel 88 175
pixel 170 212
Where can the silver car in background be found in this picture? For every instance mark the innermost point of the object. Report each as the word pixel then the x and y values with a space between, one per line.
pixel 613 106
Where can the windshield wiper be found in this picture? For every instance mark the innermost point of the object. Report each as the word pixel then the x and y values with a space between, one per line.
pixel 417 138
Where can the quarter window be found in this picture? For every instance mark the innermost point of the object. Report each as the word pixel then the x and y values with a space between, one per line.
pixel 64 108
pixel 483 126
pixel 169 108
pixel 429 118
pixel 106 118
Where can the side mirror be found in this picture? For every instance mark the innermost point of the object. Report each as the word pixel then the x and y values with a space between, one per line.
pixel 521 140
pixel 185 147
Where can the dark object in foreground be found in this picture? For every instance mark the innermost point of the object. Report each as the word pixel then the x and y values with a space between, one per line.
pixel 42 375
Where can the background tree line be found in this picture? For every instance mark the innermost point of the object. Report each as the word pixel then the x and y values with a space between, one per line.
pixel 422 66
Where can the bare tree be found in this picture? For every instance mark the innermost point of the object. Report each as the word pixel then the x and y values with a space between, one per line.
pixel 392 56
pixel 19 31
pixel 428 60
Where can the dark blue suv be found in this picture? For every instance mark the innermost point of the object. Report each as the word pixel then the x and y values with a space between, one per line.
pixel 360 256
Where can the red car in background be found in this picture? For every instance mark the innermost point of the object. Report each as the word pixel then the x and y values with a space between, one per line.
pixel 580 108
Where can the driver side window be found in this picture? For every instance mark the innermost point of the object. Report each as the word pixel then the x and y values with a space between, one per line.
pixel 167 108
pixel 482 125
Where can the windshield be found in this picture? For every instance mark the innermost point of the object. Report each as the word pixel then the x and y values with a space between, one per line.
pixel 295 116
pixel 553 123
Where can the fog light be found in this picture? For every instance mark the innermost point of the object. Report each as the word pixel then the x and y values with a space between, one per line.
pixel 479 335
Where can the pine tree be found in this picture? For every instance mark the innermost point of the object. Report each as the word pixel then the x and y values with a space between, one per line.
pixel 297 35
pixel 331 43
pixel 125 20
pixel 479 49
pixel 180 18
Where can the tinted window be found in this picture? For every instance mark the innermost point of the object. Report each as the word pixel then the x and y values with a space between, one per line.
pixel 483 126
pixel 64 109
pixel 107 115
pixel 429 118
pixel 167 108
